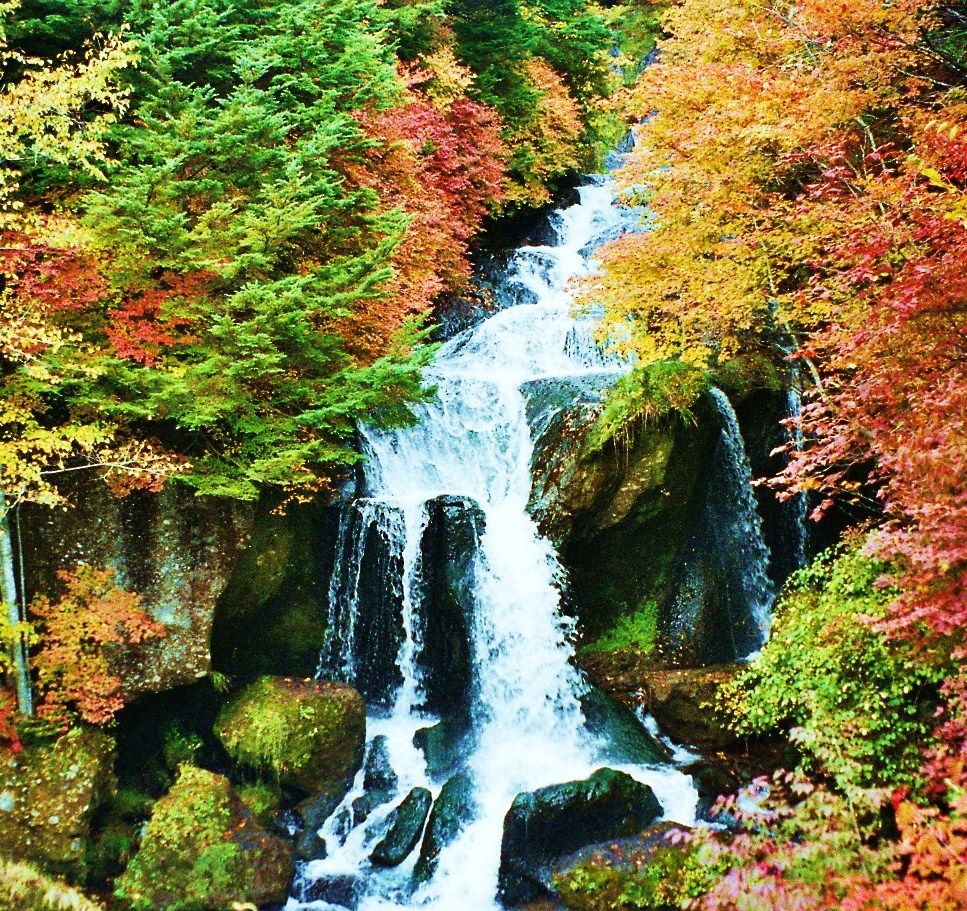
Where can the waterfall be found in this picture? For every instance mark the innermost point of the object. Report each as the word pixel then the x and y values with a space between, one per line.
pixel 472 445
pixel 740 528
pixel 798 506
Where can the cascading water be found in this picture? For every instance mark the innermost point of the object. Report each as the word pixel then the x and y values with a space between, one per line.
pixel 473 442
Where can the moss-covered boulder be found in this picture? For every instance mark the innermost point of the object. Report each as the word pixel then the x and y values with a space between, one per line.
pixel 203 850
pixel 311 735
pixel 622 736
pixel 24 888
pixel 545 825
pixel 48 796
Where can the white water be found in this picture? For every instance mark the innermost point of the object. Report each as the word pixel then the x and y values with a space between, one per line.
pixel 474 441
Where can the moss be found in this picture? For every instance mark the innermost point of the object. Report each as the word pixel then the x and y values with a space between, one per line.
pixel 24 888
pixel 647 393
pixel 49 794
pixel 304 734
pixel 263 800
pixel 638 630
pixel 202 850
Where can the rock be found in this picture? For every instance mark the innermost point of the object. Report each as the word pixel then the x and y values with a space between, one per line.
pixel 312 814
pixel 49 794
pixel 447 550
pixel 558 820
pixel 310 845
pixel 452 810
pixel 174 549
pixel 444 746
pixel 624 737
pixel 682 702
pixel 342 891
pixel 712 780
pixel 620 513
pixel 378 773
pixel 405 826
pixel 365 804
pixel 203 849
pixel 271 618
pixel 309 734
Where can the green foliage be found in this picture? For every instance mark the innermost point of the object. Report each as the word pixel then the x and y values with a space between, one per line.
pixel 638 630
pixel 860 705
pixel 262 798
pixel 661 879
pixel 648 393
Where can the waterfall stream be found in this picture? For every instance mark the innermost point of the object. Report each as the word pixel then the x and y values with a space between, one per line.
pixel 473 442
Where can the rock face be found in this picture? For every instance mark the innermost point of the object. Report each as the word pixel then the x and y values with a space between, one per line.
pixel 48 796
pixel 203 849
pixel 451 812
pixel 550 823
pixel 176 550
pixel 311 735
pixel 450 541
pixel 405 827
pixel 626 741
pixel 682 702
pixel 620 515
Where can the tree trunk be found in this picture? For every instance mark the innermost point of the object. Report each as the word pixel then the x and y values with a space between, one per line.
pixel 8 592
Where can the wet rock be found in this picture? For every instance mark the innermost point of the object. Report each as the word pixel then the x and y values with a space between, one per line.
pixel 452 810
pixel 342 891
pixel 405 827
pixel 312 814
pixel 310 735
pixel 49 794
pixel 683 703
pixel 202 844
pixel 310 845
pixel 552 822
pixel 447 550
pixel 624 737
pixel 444 746
pixel 378 772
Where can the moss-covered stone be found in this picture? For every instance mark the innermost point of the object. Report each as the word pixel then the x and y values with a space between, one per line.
pixel 25 888
pixel 452 810
pixel 683 704
pixel 203 850
pixel 309 735
pixel 545 825
pixel 404 829
pixel 48 796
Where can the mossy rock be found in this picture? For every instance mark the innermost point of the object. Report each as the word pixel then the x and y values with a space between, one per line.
pixel 48 796
pixel 25 888
pixel 452 810
pixel 203 850
pixel 405 827
pixel 307 734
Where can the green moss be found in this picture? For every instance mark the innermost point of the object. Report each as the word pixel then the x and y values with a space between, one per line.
pixel 263 799
pixel 638 630
pixel 748 373
pixel 303 734
pixel 647 393
pixel 192 856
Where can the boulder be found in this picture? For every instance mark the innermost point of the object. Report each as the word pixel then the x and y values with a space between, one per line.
pixel 452 810
pixel 174 549
pixel 309 734
pixel 203 849
pixel 379 780
pixel 545 825
pixel 447 551
pixel 405 825
pixel 622 735
pixel 444 746
pixel 683 703
pixel 342 891
pixel 49 794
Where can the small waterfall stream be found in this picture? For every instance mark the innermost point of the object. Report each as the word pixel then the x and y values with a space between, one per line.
pixel 472 443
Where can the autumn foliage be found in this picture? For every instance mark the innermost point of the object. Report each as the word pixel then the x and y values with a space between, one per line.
pixel 85 635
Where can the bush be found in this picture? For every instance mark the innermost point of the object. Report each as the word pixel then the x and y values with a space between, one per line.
pixel 860 706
